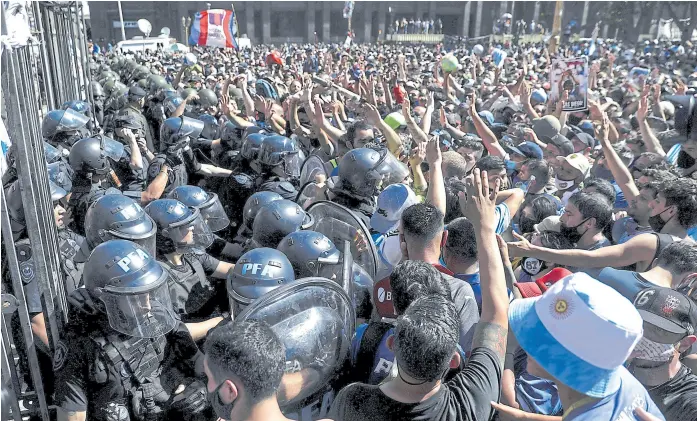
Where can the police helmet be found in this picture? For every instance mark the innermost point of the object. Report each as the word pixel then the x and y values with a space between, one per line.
pixel 66 122
pixel 81 107
pixel 281 154
pixel 254 204
pixel 89 156
pixel 172 103
pixel 211 128
pixel 206 98
pixel 116 216
pixel 181 224
pixel 133 286
pixel 308 251
pixel 363 171
pixel 187 92
pixel 140 72
pixel 61 174
pixel 51 153
pixel 156 82
pixel 231 135
pixel 257 272
pixel 253 129
pixel 176 132
pixel 277 219
pixel 251 145
pixel 207 203
pixel 98 93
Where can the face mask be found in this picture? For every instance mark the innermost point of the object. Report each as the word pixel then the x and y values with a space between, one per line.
pixel 532 266
pixel 510 167
pixel 571 232
pixel 221 409
pixel 563 184
pixel 652 351
pixel 657 223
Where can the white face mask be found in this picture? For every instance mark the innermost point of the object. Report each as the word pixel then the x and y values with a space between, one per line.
pixel 563 184
pixel 652 351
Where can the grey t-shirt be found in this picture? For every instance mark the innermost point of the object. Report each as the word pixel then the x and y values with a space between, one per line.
pixel 466 306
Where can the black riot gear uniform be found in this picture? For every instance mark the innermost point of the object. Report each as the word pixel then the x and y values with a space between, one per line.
pixel 175 137
pixel 194 296
pixel 124 353
pixel 136 93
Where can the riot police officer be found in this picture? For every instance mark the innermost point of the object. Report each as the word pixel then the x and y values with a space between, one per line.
pixel 257 272
pixel 362 173
pixel 136 101
pixel 311 253
pixel 62 128
pixel 175 146
pixel 115 216
pixel 210 133
pixel 90 160
pixel 182 237
pixel 212 212
pixel 124 354
pixel 251 208
pixel 277 219
pixel 230 145
pixel 98 97
pixel 279 159
pixel 207 102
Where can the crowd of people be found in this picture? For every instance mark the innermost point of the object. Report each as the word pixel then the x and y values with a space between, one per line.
pixel 318 232
pixel 418 26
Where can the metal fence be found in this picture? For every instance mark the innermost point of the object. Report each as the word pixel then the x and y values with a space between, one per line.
pixel 36 78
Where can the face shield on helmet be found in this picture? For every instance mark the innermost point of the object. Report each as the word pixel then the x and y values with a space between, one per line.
pixel 134 288
pixel 191 231
pixel 58 174
pixel 213 213
pixel 389 170
pixel 113 149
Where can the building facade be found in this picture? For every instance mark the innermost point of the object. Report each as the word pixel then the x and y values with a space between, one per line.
pixel 310 21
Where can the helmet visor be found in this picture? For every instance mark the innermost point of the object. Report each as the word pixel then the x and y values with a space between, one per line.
pixel 148 243
pixel 58 174
pixel 191 232
pixel 391 170
pixel 145 314
pixel 72 120
pixel 113 149
pixel 214 214
pixel 51 153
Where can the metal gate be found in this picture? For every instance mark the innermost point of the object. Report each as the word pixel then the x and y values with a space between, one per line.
pixel 37 76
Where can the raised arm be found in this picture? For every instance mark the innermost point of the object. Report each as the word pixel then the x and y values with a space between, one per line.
pixel 489 139
pixel 650 140
pixel 622 175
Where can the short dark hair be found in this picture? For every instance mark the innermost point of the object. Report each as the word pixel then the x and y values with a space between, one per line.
pixel 626 155
pixel 250 351
pixel 453 187
pixel 426 336
pixel 454 165
pixel 658 175
pixel 472 144
pixel 682 193
pixel 679 257
pixel 541 206
pixel 423 221
pixel 593 205
pixel 490 163
pixel 540 169
pixel 555 240
pixel 461 240
pixel 656 161
pixel 412 279
pixel 603 187
pixel 356 127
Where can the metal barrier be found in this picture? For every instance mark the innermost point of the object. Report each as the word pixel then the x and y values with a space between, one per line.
pixel 36 78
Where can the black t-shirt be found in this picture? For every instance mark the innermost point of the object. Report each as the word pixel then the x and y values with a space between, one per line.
pixel 677 398
pixel 466 397
pixel 85 381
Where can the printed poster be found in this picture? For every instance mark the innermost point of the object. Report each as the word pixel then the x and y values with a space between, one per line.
pixel 570 75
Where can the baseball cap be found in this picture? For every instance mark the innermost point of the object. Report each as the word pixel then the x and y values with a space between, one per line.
pixel 551 223
pixel 587 139
pixel 577 161
pixel 136 90
pixel 537 288
pixel 527 149
pixel 580 331
pixel 391 203
pixel 668 315
pixel 487 116
pixel 548 126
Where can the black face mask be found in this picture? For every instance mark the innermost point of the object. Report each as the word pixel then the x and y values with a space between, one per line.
pixel 222 410
pixel 657 223
pixel 572 232
pixel 526 224
pixel 532 266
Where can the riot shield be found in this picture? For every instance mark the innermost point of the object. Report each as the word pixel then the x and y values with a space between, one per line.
pixel 338 224
pixel 311 192
pixel 314 319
